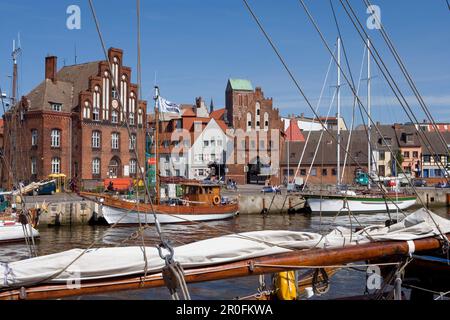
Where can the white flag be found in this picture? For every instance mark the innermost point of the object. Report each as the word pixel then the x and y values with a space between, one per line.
pixel 168 107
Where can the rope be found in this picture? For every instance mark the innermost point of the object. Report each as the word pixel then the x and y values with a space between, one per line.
pixel 296 83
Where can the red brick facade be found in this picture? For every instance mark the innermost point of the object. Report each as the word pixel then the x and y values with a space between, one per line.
pixel 77 101
pixel 250 114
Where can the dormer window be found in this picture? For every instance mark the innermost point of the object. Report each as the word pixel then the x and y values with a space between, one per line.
pixel 56 107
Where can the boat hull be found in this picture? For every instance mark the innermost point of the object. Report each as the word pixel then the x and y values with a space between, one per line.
pixel 126 217
pixel 358 205
pixel 14 233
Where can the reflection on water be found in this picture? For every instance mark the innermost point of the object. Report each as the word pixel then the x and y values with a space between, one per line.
pixel 346 282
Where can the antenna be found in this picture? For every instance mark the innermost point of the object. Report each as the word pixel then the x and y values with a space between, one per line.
pixel 76 53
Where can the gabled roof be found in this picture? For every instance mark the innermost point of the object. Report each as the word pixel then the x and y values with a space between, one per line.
pixel 293 132
pixel 240 85
pixel 218 114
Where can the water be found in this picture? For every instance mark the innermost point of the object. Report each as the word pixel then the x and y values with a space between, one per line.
pixel 345 283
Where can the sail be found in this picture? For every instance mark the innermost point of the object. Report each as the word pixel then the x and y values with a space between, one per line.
pixel 104 263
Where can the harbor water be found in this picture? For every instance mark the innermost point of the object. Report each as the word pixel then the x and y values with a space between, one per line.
pixel 347 282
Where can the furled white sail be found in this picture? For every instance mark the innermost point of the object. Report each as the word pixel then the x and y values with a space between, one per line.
pixel 105 263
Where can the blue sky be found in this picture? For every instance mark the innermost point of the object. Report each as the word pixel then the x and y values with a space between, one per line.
pixel 194 46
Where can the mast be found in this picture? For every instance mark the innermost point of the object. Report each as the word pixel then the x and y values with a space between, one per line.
pixel 338 88
pixel 369 121
pixel 158 191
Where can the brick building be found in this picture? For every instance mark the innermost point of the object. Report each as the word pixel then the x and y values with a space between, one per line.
pixel 258 134
pixel 72 123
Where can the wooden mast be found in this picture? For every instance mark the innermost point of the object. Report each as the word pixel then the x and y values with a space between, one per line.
pixel 249 267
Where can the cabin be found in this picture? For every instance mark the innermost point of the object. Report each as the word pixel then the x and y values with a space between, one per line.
pixel 202 194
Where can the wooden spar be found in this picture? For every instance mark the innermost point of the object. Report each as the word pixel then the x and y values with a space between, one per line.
pixel 249 267
pixel 156 136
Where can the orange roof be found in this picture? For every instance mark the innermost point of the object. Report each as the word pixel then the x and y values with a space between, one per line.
pixel 293 132
pixel 218 114
pixel 222 125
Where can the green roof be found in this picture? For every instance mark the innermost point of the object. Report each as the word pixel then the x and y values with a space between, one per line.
pixel 241 84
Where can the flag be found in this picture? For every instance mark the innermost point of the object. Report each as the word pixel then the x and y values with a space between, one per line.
pixel 168 107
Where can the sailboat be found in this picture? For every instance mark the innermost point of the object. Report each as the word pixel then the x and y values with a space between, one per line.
pixel 199 201
pixel 369 202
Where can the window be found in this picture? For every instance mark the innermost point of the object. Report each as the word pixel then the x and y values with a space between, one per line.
pixel 213 143
pixel 314 172
pixel 96 139
pixel 141 119
pixel 249 121
pixel 132 142
pixel 177 173
pixel 87 110
pixel 219 143
pixel 409 138
pixel 206 143
pixel 56 166
pixel 96 114
pixel 114 94
pixel 131 117
pixel 96 166
pixel 334 172
pixel 382 156
pixel 56 138
pixel 114 116
pixel 133 166
pixel 167 173
pixel 437 159
pixel 415 154
pixel 427 158
pixel 199 157
pixel 56 107
pixel 33 166
pixel 438 173
pixel 34 137
pixel 324 172
pixel 303 172
pixel 115 141
pixel 213 157
pixel 406 154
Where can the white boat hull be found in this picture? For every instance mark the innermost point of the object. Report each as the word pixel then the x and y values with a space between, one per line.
pixel 332 205
pixel 14 232
pixel 118 216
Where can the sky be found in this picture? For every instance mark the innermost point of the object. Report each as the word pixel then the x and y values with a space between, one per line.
pixel 191 48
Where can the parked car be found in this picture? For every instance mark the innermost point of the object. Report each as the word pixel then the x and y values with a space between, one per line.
pixel 45 190
pixel 419 183
pixel 442 185
pixel 271 189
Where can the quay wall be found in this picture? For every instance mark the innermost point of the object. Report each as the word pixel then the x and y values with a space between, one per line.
pixel 68 213
pixel 433 196
pixel 275 204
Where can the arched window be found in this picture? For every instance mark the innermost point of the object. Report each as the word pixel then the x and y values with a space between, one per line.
pixel 258 116
pixel 86 110
pixel 115 70
pixel 123 96
pixel 249 121
pixel 96 101
pixel 56 166
pixel 266 121
pixel 96 166
pixel 105 95
pixel 33 166
pixel 56 138
pixel 140 117
pixel 131 115
pixel 34 137
pixel 96 140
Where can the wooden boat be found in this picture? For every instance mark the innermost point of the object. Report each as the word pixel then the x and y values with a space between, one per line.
pixel 248 267
pixel 358 203
pixel 200 202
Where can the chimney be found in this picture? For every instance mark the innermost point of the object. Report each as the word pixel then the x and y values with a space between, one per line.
pixel 50 68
